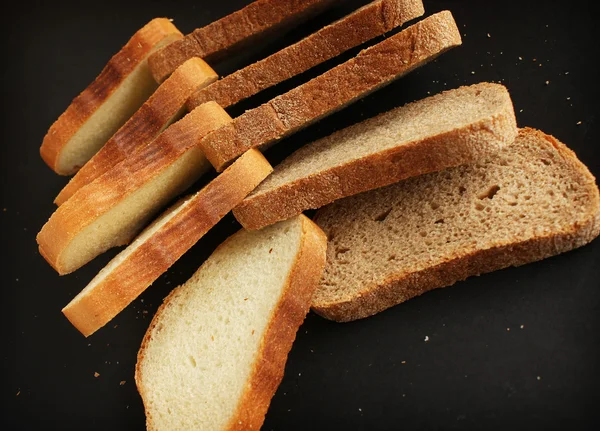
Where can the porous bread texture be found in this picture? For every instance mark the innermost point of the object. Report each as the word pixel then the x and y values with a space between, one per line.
pixel 165 106
pixel 108 102
pixel 532 200
pixel 230 32
pixel 371 20
pixel 454 127
pixel 215 351
pixel 109 211
pixel 370 70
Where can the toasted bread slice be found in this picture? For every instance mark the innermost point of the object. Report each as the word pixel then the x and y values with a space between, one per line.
pixel 368 22
pixel 232 31
pixel 109 211
pixel 449 129
pixel 162 243
pixel 164 107
pixel 222 339
pixel 532 200
pixel 371 69
pixel 108 102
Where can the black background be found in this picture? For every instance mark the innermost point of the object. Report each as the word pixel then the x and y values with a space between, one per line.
pixel 516 349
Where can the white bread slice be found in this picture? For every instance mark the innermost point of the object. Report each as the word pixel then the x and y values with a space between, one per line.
pixel 104 106
pixel 162 243
pixel 532 200
pixel 215 40
pixel 165 106
pixel 370 70
pixel 366 23
pixel 455 127
pixel 215 351
pixel 109 211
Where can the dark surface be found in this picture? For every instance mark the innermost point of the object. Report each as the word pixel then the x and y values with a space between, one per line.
pixel 516 349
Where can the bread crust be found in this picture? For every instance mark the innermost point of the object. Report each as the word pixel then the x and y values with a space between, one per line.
pixel 153 257
pixel 371 69
pixel 228 33
pixel 103 194
pixel 153 35
pixel 368 22
pixel 400 287
pixel 454 147
pixel 153 116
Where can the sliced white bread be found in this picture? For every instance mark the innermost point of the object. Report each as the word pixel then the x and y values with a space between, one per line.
pixel 532 200
pixel 449 129
pixel 371 69
pixel 216 349
pixel 108 102
pixel 162 243
pixel 239 28
pixel 111 210
pixel 368 22
pixel 165 106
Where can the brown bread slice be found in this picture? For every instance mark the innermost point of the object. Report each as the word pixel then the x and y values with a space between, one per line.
pixel 449 129
pixel 222 339
pixel 162 243
pixel 108 102
pixel 532 200
pixel 371 69
pixel 239 28
pixel 164 107
pixel 109 211
pixel 368 22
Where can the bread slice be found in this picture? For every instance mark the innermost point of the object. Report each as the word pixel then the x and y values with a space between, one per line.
pixel 449 129
pixel 164 107
pixel 372 20
pixel 215 351
pixel 109 211
pixel 371 69
pixel 104 106
pixel 532 200
pixel 161 244
pixel 239 28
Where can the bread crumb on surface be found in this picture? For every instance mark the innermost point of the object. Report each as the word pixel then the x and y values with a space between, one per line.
pixel 96 374
pixel 426 338
pixel 508 329
pixel 578 123
pixel 122 382
pixel 488 35
pixel 539 377
pixel 403 362
pixel 547 82
pixel 18 393
pixel 522 326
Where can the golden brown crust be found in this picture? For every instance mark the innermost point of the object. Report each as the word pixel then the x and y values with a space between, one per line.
pixel 153 35
pixel 141 268
pixel 146 123
pixel 216 39
pixel 371 69
pixel 454 147
pixel 103 194
pixel 370 21
pixel 401 287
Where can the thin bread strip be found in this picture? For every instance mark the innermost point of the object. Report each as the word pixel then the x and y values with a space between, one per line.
pixel 109 211
pixel 222 339
pixel 161 244
pixel 108 102
pixel 366 23
pixel 449 129
pixel 165 106
pixel 532 200
pixel 371 69
pixel 230 32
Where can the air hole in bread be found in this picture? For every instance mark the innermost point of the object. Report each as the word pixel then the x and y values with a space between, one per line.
pixel 462 190
pixel 546 162
pixel 192 361
pixel 434 205
pixel 490 193
pixel 383 215
pixel 479 206
pixel 440 221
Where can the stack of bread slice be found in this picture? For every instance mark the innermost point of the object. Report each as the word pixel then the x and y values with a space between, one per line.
pixel 413 199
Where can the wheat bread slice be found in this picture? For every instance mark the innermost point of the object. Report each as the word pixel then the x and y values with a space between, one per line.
pixel 216 349
pixel 366 23
pixel 162 243
pixel 108 102
pixel 455 127
pixel 215 40
pixel 371 69
pixel 166 105
pixel 109 211
pixel 532 200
